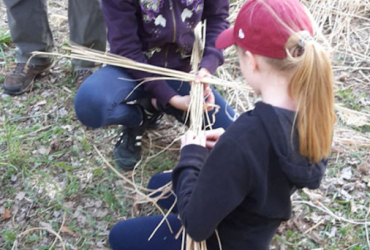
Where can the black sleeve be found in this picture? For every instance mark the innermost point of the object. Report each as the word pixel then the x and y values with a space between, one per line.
pixel 209 189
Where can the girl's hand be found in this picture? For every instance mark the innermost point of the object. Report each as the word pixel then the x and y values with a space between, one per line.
pixel 212 137
pixel 204 73
pixel 190 138
pixel 180 102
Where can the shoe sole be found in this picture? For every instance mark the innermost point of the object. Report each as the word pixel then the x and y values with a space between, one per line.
pixel 27 88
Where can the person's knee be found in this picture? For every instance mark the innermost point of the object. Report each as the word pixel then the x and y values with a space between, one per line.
pixel 115 237
pixel 89 105
pixel 159 180
pixel 124 235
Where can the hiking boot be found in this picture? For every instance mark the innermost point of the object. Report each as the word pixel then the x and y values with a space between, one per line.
pixel 127 151
pixel 81 76
pixel 22 78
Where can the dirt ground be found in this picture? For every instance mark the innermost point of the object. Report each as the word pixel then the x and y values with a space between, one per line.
pixel 56 185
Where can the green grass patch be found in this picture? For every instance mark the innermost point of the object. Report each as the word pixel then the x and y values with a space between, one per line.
pixel 5 37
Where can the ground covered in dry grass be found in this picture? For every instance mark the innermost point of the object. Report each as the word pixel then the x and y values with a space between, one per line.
pixel 55 186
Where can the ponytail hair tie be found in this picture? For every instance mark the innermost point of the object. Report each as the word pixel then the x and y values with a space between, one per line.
pixel 296 43
pixel 304 37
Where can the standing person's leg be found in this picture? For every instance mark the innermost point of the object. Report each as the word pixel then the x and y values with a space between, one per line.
pixel 30 31
pixel 133 234
pixel 222 119
pixel 87 28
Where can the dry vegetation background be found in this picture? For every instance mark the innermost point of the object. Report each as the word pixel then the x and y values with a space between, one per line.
pixel 56 191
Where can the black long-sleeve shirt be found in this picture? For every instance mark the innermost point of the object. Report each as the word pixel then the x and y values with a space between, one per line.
pixel 243 186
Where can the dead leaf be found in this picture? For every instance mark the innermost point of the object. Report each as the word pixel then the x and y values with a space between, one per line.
pixel 54 146
pixel 43 150
pixel 6 215
pixel 41 103
pixel 343 77
pixel 57 19
pixel 62 112
pixel 333 232
pixel 101 213
pixel 364 168
pixel 98 204
pixel 46 225
pixel 66 230
pixel 313 196
pixel 14 178
pixel 69 128
pixel 353 206
pixel 302 226
pixel 346 173
pixel 69 204
pixel 20 196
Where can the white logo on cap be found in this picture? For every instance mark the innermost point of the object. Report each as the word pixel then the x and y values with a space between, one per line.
pixel 241 34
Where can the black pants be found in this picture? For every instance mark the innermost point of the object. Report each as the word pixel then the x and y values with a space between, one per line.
pixel 133 234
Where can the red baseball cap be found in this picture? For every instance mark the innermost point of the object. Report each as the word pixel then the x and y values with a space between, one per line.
pixel 263 27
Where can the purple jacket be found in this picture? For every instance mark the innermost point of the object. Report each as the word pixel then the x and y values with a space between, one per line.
pixel 160 32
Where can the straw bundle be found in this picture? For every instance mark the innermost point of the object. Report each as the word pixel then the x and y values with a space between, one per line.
pixel 197 104
pixel 83 53
pixel 196 109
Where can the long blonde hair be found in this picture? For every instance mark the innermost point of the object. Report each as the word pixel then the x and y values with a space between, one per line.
pixel 311 87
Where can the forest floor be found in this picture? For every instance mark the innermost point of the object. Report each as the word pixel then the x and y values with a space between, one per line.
pixel 52 175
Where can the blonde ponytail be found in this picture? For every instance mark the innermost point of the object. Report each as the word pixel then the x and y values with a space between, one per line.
pixel 312 88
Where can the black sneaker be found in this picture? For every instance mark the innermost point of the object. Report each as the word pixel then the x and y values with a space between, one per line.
pixel 153 116
pixel 127 151
pixel 153 119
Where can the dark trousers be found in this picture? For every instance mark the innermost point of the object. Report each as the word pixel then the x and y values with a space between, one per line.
pixel 104 99
pixel 133 234
pixel 30 31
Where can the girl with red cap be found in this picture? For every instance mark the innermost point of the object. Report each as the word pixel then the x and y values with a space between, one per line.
pixel 242 187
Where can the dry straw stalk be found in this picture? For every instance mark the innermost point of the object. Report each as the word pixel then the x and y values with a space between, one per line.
pixel 83 53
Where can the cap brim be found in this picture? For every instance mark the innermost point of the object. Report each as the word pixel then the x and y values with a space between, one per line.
pixel 225 39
